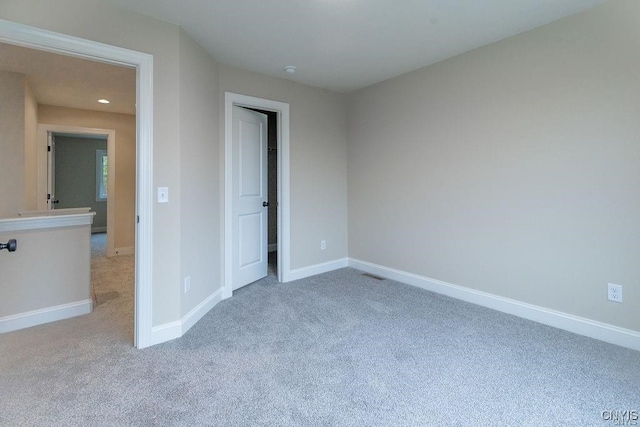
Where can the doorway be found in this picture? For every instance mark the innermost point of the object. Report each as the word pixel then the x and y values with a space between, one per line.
pixel 47 197
pixel 272 189
pixel 281 112
pixel 79 175
pixel 35 38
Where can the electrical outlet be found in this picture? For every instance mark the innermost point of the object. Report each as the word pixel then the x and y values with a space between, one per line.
pixel 614 292
pixel 323 244
pixel 187 284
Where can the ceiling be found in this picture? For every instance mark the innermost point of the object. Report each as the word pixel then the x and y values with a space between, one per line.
pixel 343 45
pixel 67 81
pixel 340 45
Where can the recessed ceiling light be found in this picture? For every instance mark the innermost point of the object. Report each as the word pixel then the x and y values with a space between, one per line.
pixel 290 69
pixel 103 101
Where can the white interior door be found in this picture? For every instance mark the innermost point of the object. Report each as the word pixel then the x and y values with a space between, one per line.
pixel 249 135
pixel 51 171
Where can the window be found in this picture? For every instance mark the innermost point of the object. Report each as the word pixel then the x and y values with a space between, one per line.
pixel 102 168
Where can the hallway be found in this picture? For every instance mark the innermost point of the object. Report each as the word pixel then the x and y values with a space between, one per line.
pixel 113 286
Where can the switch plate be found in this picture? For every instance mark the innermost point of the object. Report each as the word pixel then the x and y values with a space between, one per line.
pixel 187 284
pixel 323 245
pixel 163 195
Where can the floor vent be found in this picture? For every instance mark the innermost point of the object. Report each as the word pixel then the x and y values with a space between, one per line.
pixel 373 276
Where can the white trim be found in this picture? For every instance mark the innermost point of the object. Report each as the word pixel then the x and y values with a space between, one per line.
pixel 196 313
pixel 45 315
pixel 173 330
pixel 31 37
pixel 43 222
pixel 166 332
pixel 125 250
pixel 568 322
pixel 144 199
pixel 63 211
pixel 273 247
pixel 312 270
pixel 284 226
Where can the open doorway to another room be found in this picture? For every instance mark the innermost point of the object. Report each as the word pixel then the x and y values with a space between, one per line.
pixel 74 61
pixel 272 178
pixel 67 155
pixel 79 175
pixel 82 173
pixel 253 249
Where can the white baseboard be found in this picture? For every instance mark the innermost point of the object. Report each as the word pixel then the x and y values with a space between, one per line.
pixel 312 270
pixel 127 250
pixel 166 332
pixel 173 330
pixel 192 317
pixel 45 315
pixel 272 247
pixel 578 325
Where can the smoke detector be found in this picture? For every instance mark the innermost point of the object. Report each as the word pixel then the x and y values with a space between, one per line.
pixel 290 69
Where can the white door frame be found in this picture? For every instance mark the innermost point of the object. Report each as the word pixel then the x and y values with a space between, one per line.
pixel 43 132
pixel 36 38
pixel 284 225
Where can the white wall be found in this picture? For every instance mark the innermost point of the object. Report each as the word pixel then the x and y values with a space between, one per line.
pixel 512 169
pixel 318 161
pixel 12 123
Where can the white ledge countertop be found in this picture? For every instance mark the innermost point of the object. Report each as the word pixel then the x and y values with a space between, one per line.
pixel 45 221
pixel 49 212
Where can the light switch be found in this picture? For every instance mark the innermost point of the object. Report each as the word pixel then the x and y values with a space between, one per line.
pixel 163 195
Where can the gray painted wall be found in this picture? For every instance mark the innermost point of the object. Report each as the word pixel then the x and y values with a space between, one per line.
pixel 199 192
pixel 94 20
pixel 318 147
pixel 187 145
pixel 61 275
pixel 76 176
pixel 513 169
pixel 12 124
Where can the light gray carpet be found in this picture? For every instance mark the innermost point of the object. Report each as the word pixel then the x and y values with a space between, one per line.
pixel 339 349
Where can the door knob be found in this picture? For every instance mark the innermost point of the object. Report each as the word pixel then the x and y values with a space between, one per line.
pixel 11 245
pixel 265 204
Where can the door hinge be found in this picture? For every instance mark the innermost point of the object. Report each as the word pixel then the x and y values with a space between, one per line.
pixel 48 148
pixel 48 196
pixel 137 219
